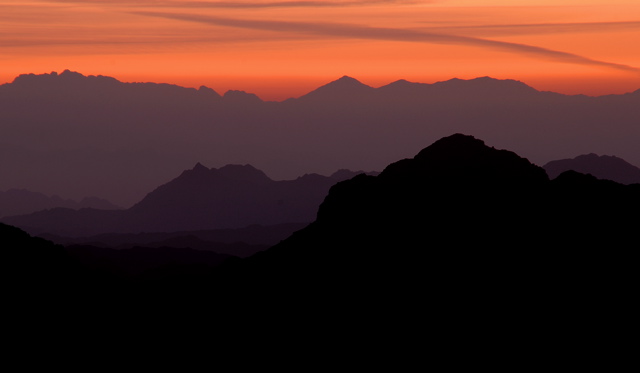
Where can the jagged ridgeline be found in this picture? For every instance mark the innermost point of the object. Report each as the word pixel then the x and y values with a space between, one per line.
pixel 458 217
pixel 601 166
pixel 76 136
pixel 465 212
pixel 461 241
pixel 233 196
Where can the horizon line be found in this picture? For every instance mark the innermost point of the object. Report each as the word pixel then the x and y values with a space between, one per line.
pixel 56 73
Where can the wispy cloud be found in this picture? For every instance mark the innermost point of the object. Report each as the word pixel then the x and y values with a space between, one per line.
pixel 538 28
pixel 341 30
pixel 241 4
pixel 94 42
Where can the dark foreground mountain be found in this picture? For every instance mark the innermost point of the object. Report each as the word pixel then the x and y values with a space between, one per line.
pixel 241 242
pixel 459 214
pixel 232 196
pixel 39 268
pixel 603 167
pixel 463 241
pixel 22 201
pixel 31 263
pixel 470 247
pixel 463 216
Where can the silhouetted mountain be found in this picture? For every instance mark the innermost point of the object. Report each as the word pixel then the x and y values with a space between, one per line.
pixel 344 174
pixel 340 91
pixel 603 167
pixel 461 238
pixel 478 88
pixel 485 86
pixel 31 266
pixel 252 235
pixel 75 135
pixel 22 201
pixel 460 220
pixel 240 242
pixel 239 249
pixel 240 98
pixel 233 196
pixel 78 86
pixel 38 272
pixel 166 264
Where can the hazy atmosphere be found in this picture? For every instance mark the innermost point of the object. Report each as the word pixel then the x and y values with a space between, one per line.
pixel 354 174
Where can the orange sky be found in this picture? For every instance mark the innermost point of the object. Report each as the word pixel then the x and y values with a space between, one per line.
pixel 285 48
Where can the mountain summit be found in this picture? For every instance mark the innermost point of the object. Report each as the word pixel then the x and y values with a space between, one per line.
pixel 76 86
pixel 456 213
pixel 341 89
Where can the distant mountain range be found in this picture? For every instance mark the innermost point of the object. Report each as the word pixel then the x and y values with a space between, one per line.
pixel 75 135
pixel 22 201
pixel 233 196
pixel 603 167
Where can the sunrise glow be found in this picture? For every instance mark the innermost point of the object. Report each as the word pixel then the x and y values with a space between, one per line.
pixel 281 49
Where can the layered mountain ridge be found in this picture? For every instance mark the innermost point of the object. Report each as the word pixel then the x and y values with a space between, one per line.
pixel 22 201
pixel 233 196
pixel 459 217
pixel 601 166
pixel 461 235
pixel 73 135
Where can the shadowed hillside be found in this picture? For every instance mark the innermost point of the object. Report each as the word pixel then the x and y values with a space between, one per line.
pixel 233 196
pixel 28 257
pixel 461 240
pixel 459 218
pixel 459 212
pixel 241 242
pixel 21 201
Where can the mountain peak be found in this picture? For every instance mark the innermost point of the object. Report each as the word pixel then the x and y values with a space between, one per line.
pixel 455 145
pixel 240 97
pixel 338 90
pixel 199 168
pixel 486 85
pixel 65 80
pixel 401 83
pixel 204 90
pixel 601 158
pixel 590 155
pixel 462 158
pixel 68 74
pixel 347 82
pixel 198 172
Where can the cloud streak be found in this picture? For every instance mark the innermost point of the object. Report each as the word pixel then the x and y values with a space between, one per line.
pixel 539 28
pixel 92 42
pixel 240 4
pixel 352 31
